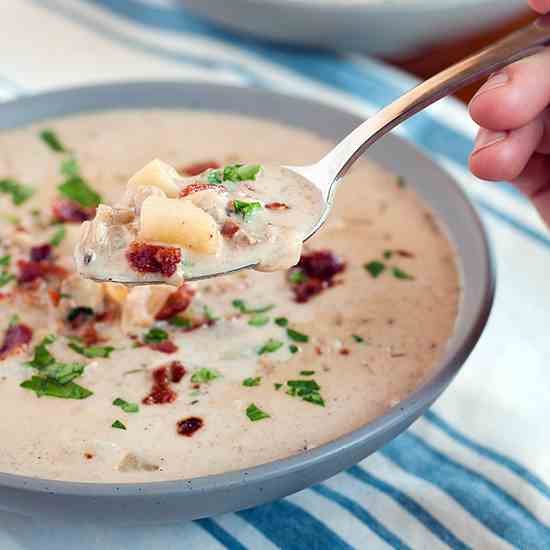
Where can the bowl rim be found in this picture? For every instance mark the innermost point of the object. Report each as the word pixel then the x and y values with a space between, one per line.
pixel 425 393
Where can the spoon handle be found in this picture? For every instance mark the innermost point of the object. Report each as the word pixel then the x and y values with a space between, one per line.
pixel 515 46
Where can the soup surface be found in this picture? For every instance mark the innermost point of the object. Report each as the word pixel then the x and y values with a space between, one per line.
pixel 100 384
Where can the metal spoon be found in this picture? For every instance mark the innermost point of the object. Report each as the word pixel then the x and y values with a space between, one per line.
pixel 330 170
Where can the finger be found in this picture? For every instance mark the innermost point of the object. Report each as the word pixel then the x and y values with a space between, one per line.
pixel 514 96
pixel 540 6
pixel 534 182
pixel 504 155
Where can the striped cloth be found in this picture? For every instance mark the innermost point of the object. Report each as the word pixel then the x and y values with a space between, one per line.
pixel 472 473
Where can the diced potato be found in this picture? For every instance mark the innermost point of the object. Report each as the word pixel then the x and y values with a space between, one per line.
pixel 116 292
pixel 142 304
pixel 156 174
pixel 177 221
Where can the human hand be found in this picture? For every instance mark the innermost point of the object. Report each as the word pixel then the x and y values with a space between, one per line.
pixel 513 111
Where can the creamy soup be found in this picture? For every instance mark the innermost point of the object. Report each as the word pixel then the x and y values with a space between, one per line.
pixel 104 383
pixel 170 227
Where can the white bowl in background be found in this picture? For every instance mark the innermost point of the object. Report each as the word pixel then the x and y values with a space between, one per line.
pixel 384 27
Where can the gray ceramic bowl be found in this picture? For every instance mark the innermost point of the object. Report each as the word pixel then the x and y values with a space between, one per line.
pixel 189 499
pixel 383 27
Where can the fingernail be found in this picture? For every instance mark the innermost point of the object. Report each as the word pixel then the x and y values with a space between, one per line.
pixel 486 138
pixel 496 80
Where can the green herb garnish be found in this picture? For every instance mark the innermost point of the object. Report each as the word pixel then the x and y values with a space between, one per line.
pixel 281 321
pixel 58 236
pixel 243 308
pixel 5 260
pixel 258 320
pixel 357 338
pixel 246 208
pixel 45 386
pixel 297 276
pixel 215 177
pixel 297 336
pixel 270 346
pixel 204 375
pixel 155 336
pixel 6 278
pixel 400 274
pixel 277 386
pixel 308 390
pixel 76 189
pixel 234 173
pixel 19 192
pixel 307 372
pixel 63 373
pixel 249 382
pixel 118 424
pixel 42 357
pixel 387 254
pixel 293 348
pixel 14 320
pixel 254 413
pixel 375 268
pixel 49 137
pixel 69 167
pixel 91 352
pixel 126 406
pixel 180 322
pixel 209 314
pixel 80 311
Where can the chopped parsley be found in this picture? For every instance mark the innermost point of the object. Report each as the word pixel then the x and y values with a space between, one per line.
pixel 155 336
pixel 209 314
pixel 243 308
pixel 234 173
pixel 293 348
pixel 76 189
pixel 118 424
pixel 215 177
pixel 270 346
pixel 249 382
pixel 18 192
pixel 254 413
pixel 258 320
pixel 307 372
pixel 281 321
pixel 58 236
pixel 398 273
pixel 5 260
pixel 126 406
pixel 80 311
pixel 375 268
pixel 277 386
pixel 180 322
pixel 297 276
pixel 307 390
pixel 246 208
pixel 14 320
pixel 91 352
pixel 6 278
pixel 357 338
pixel 42 357
pixel 44 386
pixel 297 336
pixel 69 167
pixel 204 375
pixel 387 254
pixel 49 137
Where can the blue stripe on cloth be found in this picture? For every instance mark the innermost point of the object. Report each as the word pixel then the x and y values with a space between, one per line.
pixel 361 514
pixel 411 506
pixel 500 459
pixel 289 527
pixel 220 534
pixel 328 68
pixel 488 503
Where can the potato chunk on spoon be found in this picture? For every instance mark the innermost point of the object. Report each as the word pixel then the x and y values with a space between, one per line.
pixel 170 228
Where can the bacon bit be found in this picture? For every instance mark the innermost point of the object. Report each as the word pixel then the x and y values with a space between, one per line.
pixel 196 187
pixel 41 252
pixel 150 258
pixel 16 337
pixel 198 168
pixel 65 210
pixel 229 228
pixel 318 350
pixel 177 371
pixel 165 347
pixel 404 253
pixel 319 268
pixel 89 334
pixel 344 351
pixel 55 296
pixel 188 426
pixel 161 393
pixel 277 206
pixel 177 302
pixel 30 271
